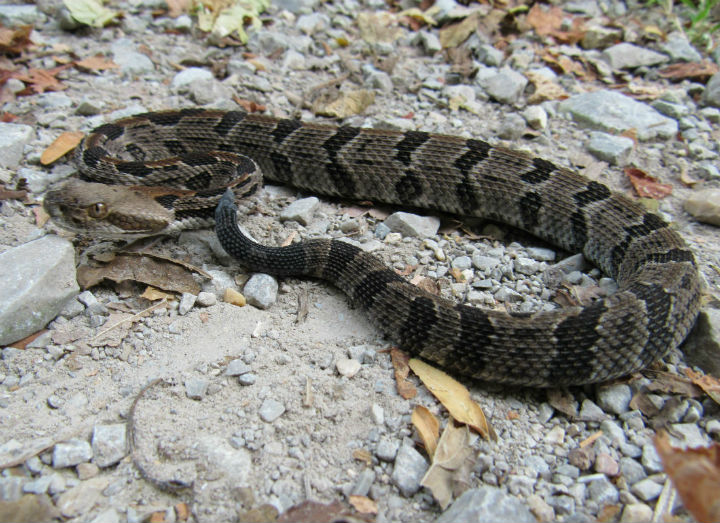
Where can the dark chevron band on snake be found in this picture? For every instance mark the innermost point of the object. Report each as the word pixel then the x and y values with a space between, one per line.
pixel 195 152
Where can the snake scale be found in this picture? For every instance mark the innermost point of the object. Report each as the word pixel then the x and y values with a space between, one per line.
pixel 180 163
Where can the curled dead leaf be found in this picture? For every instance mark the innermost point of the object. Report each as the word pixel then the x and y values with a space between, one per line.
pixel 62 145
pixel 454 397
pixel 400 363
pixel 696 476
pixel 647 186
pixel 428 428
pixel 454 459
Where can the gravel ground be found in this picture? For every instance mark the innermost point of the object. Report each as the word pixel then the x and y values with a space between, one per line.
pixel 260 407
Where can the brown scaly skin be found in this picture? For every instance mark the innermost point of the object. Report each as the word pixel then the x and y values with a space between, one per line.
pixel 659 287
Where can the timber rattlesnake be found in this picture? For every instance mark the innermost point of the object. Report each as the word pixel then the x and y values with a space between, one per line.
pixel 652 312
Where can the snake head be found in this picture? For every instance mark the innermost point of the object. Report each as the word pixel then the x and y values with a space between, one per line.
pixel 105 211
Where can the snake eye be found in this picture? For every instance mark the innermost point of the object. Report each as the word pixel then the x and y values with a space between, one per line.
pixel 97 210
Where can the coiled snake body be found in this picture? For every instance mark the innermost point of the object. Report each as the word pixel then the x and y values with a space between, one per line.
pixel 189 158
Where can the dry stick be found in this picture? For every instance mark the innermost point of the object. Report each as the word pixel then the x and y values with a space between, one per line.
pixel 168 485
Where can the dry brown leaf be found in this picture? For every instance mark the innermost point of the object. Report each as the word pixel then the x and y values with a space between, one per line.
pixel 153 294
pixel 62 145
pixel 362 455
pixel 707 383
pixel 545 89
pixel 29 509
pixel 344 104
pixel 21 344
pixel 41 80
pixel 686 179
pixel 182 511
pixel 667 382
pixel 165 274
pixel 363 504
pixel 114 330
pixel 454 397
pixel 457 274
pixel 641 402
pixel 13 41
pixel 400 363
pixel 449 473
pixel 96 63
pixel 689 70
pixel 647 186
pixel 249 105
pixel 428 428
pixel 314 512
pixel 178 7
pixel 380 26
pixel 549 22
pixel 426 284
pixel 454 35
pixel 696 476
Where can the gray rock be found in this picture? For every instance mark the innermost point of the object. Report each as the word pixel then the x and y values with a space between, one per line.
pixel 363 483
pixel 196 388
pixel 16 15
pixel 598 36
pixel 636 513
pixel 410 467
pixel 386 449
pixel 237 368
pixel 603 492
pixel 206 299
pixel 132 63
pixel 38 486
pixel 247 379
pixel 38 280
pixel 293 61
pixel 183 80
pixel 687 435
pixel 187 300
pixel 704 205
pixel 409 224
pixel 646 489
pixel 109 444
pixel 71 452
pixel 312 23
pixel 613 431
pixel 562 503
pixel 486 505
pixel 673 110
pixel 589 411
pixel 11 488
pixel 489 55
pixel 109 515
pixel 270 410
pixel 711 94
pixel 631 470
pixel 505 86
pixel 209 91
pixel 612 149
pixel 484 263
pixel 13 139
pixel 676 46
pixel 541 253
pixel 614 398
pixel 615 113
pixel 650 459
pixel 536 117
pixel 429 42
pixel 301 210
pixel 462 262
pixel 526 265
pixel 261 290
pixel 296 6
pixel 630 56
pixel 380 80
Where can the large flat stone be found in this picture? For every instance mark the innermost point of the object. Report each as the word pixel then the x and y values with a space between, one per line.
pixel 38 280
